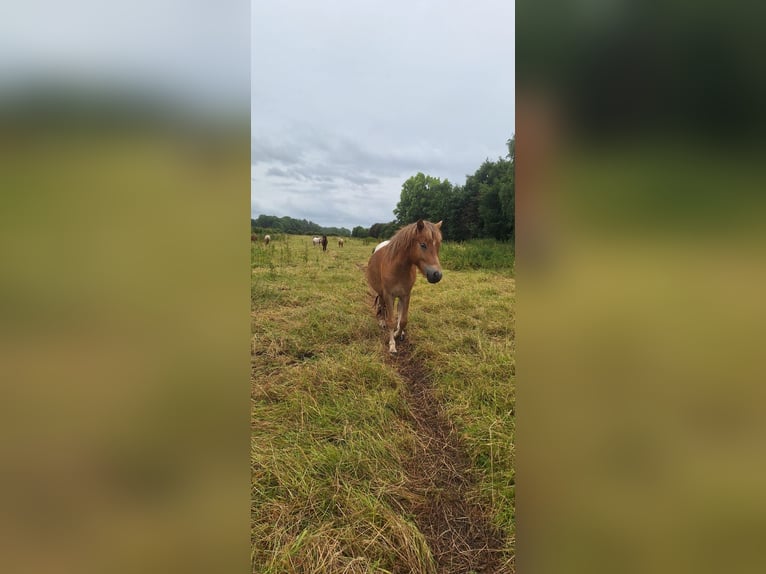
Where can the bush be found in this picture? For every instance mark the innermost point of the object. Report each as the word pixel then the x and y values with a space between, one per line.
pixel 478 254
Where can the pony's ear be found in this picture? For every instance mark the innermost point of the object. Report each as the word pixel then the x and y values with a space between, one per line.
pixel 420 225
pixel 438 225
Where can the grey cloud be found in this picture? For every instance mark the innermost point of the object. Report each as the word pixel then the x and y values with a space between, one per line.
pixel 320 174
pixel 270 152
pixel 342 158
pixel 278 172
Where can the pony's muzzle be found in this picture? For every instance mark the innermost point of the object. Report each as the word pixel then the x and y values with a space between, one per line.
pixel 433 275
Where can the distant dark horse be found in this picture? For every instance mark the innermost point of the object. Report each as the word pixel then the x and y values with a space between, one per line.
pixel 253 237
pixel 393 268
pixel 324 243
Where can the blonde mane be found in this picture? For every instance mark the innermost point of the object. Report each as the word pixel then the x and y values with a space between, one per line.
pixel 407 234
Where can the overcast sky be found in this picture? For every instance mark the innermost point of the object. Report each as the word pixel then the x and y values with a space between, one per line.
pixel 351 98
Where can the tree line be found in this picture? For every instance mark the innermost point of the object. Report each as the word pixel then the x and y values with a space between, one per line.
pixel 293 226
pixel 482 207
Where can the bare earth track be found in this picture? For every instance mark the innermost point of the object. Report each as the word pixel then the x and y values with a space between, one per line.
pixel 457 528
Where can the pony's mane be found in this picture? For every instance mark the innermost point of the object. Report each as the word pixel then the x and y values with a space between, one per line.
pixel 407 234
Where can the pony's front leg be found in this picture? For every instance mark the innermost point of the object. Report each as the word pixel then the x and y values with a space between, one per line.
pixel 390 321
pixel 404 305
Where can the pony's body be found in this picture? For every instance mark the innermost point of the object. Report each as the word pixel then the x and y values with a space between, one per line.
pixel 393 269
pixel 316 241
pixel 266 239
pixel 253 237
pixel 340 242
pixel 324 243
pixel 381 244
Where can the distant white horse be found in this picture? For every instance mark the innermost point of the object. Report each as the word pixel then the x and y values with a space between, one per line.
pixel 381 244
pixel 317 241
pixel 340 242
pixel 266 239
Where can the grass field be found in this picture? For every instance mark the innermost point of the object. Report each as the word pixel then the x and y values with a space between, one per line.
pixel 366 462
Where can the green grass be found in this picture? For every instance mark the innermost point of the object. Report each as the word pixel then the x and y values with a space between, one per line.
pixel 330 436
pixel 485 254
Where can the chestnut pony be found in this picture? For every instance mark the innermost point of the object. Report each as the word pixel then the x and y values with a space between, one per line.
pixel 393 268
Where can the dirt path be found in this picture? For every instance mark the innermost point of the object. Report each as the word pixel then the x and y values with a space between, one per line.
pixel 457 528
pixel 459 533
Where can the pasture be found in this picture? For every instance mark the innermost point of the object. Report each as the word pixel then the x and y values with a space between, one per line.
pixel 365 462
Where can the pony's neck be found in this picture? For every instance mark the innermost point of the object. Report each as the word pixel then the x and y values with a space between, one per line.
pixel 402 264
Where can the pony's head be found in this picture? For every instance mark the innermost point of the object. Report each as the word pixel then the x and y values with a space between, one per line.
pixel 426 239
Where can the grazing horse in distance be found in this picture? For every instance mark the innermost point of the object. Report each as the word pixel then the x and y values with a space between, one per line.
pixel 393 269
pixel 316 241
pixel 253 237
pixel 324 243
pixel 266 239
pixel 340 242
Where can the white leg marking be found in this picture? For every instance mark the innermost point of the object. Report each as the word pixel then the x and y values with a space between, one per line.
pixel 391 343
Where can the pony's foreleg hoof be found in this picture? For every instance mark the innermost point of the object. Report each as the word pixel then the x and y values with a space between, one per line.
pixel 392 344
pixel 401 335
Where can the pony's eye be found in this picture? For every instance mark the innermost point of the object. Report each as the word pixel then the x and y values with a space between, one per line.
pixel 423 245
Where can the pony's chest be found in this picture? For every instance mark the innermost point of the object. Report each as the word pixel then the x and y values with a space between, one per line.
pixel 402 284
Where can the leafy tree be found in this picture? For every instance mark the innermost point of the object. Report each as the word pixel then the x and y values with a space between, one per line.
pixel 493 185
pixel 422 197
pixel 359 231
pixel 295 226
pixel 388 230
pixel 383 230
pixel 483 207
pixel 375 229
pixel 264 221
pixel 507 189
pixel 462 222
